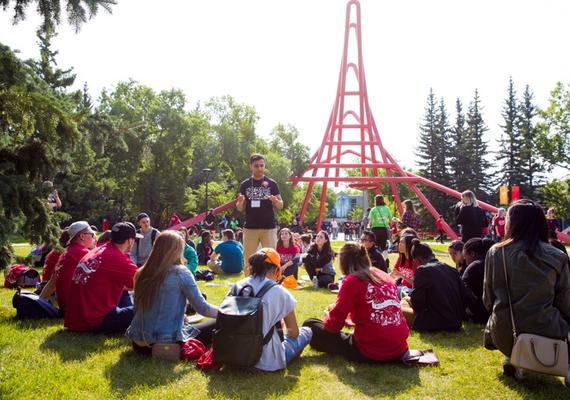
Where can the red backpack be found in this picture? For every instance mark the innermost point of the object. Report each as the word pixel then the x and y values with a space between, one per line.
pixel 20 275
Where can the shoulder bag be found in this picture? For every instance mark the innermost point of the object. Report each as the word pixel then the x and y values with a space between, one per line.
pixel 533 352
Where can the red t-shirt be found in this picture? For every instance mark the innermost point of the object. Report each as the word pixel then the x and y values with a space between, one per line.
pixel 439 224
pixel 287 253
pixel 49 264
pixel 406 270
pixel 380 330
pixel 97 285
pixel 64 272
pixel 499 224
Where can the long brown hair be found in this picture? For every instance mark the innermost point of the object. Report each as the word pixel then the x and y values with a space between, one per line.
pixel 354 260
pixel 166 252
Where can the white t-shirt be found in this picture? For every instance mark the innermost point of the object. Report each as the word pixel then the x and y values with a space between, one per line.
pixel 277 303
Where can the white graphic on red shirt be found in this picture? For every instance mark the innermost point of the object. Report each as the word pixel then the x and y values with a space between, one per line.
pixel 383 300
pixel 85 269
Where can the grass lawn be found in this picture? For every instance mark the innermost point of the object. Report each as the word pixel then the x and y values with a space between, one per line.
pixel 40 358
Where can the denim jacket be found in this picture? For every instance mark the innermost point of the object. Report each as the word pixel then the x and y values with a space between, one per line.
pixel 163 322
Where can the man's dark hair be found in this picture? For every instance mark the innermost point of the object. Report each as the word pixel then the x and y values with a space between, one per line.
pixel 255 157
pixel 379 200
pixel 229 234
pixel 369 235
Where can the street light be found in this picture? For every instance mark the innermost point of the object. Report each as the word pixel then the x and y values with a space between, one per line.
pixel 207 171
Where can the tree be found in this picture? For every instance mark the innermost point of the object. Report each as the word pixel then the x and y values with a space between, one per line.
pixel 433 151
pixel 531 168
pixel 37 137
pixel 476 150
pixel 553 136
pixel 459 160
pixel 285 140
pixel 556 194
pixel 511 142
pixel 78 11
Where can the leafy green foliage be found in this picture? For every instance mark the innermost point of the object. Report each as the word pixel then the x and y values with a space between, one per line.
pixel 553 138
pixel 556 194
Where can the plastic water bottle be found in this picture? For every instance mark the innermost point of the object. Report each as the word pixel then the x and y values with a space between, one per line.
pixel 315 282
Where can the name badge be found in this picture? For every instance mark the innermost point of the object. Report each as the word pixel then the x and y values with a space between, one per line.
pixel 255 203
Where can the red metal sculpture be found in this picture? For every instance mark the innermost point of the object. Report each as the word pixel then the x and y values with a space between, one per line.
pixel 352 133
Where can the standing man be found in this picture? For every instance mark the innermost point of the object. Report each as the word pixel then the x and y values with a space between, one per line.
pixel 142 247
pixel 257 196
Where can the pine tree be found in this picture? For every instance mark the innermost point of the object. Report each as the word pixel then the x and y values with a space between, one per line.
pixel 427 146
pixel 509 154
pixel 58 79
pixel 459 163
pixel 476 150
pixel 530 167
pixel 433 150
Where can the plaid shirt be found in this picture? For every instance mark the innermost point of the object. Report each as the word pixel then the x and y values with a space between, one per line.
pixel 411 220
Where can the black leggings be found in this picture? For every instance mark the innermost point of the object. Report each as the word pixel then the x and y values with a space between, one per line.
pixel 381 235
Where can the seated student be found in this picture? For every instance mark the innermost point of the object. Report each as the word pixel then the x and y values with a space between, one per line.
pixel 370 296
pixel 289 253
pixel 186 236
pixel 439 298
pixel 455 251
pixel 474 252
pixel 97 297
pixel 278 305
pixel 230 259
pixel 368 240
pixel 53 256
pixel 405 267
pixel 190 254
pixel 306 241
pixel 319 260
pixel 81 240
pixel 162 287
pixel 205 248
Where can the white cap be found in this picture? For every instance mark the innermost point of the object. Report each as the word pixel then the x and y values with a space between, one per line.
pixel 77 227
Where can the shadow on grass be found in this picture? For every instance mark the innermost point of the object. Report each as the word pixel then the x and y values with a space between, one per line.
pixel 537 386
pixel 73 346
pixel 237 384
pixel 135 370
pixel 470 336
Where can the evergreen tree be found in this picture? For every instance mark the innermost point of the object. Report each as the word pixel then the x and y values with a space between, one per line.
pixel 58 79
pixel 459 162
pixel 433 151
pixel 476 151
pixel 530 166
pixel 509 154
pixel 427 143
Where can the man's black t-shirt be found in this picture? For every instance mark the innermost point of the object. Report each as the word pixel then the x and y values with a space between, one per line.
pixel 259 212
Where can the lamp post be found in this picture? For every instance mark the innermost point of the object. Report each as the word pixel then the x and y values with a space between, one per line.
pixel 207 171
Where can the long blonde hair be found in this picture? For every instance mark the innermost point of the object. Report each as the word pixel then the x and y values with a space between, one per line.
pixel 166 252
pixel 468 199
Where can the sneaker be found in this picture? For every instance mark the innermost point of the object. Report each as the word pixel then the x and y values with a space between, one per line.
pixel 510 370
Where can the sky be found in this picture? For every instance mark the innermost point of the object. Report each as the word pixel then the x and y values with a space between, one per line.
pixel 283 57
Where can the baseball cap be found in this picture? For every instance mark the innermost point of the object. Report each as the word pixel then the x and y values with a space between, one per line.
pixel 141 216
pixel 77 227
pixel 122 231
pixel 271 256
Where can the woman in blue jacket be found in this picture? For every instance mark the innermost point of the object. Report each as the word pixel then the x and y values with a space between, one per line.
pixel 162 287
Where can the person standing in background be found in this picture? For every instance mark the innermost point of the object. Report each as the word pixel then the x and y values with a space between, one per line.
pixel 258 196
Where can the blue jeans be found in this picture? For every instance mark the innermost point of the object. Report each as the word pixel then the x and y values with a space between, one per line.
pixel 120 317
pixel 294 268
pixel 404 291
pixel 294 347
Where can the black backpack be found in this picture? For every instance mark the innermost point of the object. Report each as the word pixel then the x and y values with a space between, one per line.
pixel 238 338
pixel 30 305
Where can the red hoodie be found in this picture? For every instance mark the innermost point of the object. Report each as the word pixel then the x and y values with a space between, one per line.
pixel 380 331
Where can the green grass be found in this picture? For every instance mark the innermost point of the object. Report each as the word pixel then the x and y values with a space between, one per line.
pixel 40 358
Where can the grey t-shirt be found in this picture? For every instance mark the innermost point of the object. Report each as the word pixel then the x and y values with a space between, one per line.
pixel 277 303
pixel 142 247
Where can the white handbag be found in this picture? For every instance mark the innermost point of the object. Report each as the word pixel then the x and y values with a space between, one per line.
pixel 533 352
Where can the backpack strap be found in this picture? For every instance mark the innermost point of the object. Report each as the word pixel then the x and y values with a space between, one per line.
pixel 265 289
